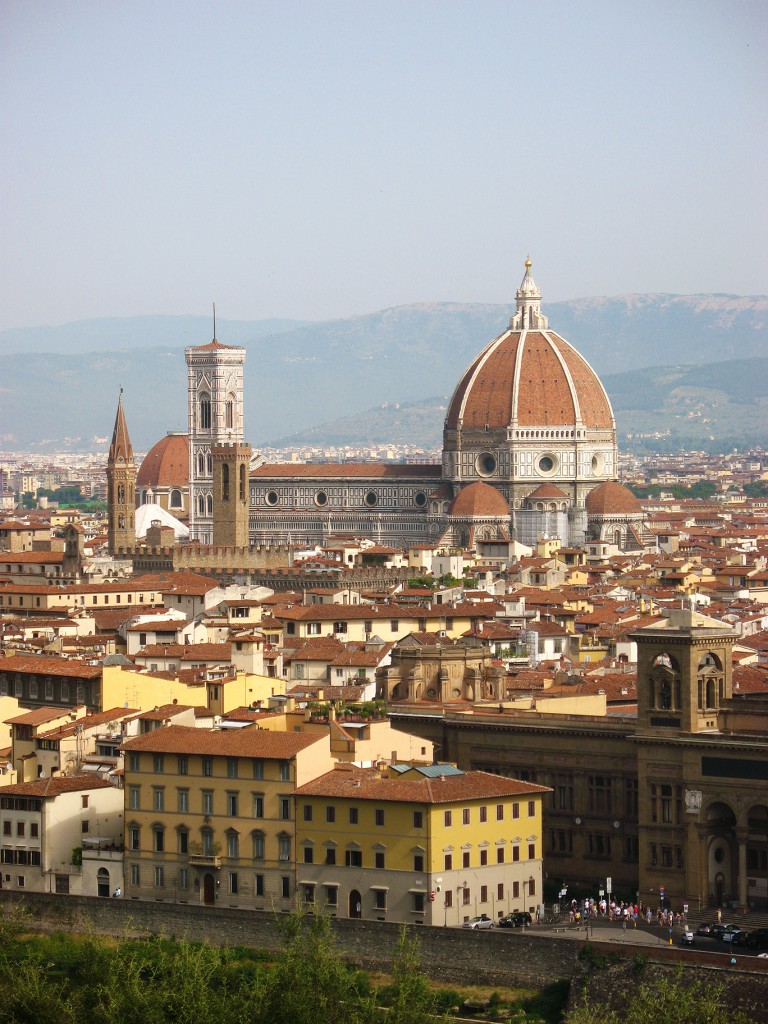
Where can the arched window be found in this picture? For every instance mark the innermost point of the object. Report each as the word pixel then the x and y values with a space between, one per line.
pixel 210 465
pixel 175 500
pixel 200 464
pixel 230 413
pixel 242 483
pixel 205 411
pixel 102 880
pixel 201 505
pixel 225 482
pixel 210 505
pixel 121 494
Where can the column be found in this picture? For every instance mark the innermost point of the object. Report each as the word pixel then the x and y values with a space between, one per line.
pixel 742 834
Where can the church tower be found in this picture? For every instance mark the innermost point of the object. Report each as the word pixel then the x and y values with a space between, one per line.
pixel 121 487
pixel 215 416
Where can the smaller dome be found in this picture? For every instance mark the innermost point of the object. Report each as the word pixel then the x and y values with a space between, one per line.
pixel 547 491
pixel 166 464
pixel 612 498
pixel 479 499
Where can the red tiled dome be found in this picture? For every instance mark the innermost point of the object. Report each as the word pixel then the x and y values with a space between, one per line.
pixel 611 498
pixel 531 378
pixel 547 491
pixel 166 464
pixel 479 499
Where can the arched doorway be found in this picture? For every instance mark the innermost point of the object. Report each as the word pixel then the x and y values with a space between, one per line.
pixel 722 854
pixel 209 890
pixel 355 904
pixel 102 882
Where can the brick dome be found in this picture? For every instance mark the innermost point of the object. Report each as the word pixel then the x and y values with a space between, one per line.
pixel 479 499
pixel 166 464
pixel 547 491
pixel 612 498
pixel 529 379
pixel 530 410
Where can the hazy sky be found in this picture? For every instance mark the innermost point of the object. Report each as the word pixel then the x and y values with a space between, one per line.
pixel 323 159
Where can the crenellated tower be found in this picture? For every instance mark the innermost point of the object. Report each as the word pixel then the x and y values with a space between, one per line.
pixel 231 465
pixel 121 486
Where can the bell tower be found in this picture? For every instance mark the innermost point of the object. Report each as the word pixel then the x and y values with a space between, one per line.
pixel 215 417
pixel 121 487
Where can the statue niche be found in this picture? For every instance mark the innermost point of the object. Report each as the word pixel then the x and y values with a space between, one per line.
pixel 665 683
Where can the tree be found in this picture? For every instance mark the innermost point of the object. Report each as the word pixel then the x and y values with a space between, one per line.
pixel 667 999
pixel 310 983
pixel 409 999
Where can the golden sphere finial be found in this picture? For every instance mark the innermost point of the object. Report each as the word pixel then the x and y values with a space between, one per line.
pixel 528 263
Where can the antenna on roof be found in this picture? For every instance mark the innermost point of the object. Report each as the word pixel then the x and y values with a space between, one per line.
pixel 214 321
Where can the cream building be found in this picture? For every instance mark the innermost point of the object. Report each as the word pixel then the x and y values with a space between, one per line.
pixel 44 824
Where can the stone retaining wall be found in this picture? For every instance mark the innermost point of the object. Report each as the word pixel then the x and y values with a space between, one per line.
pixel 450 955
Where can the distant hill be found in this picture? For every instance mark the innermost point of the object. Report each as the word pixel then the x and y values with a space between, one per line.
pixel 723 402
pixel 59 385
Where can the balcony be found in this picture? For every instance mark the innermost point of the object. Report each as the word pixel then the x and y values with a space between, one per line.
pixel 205 860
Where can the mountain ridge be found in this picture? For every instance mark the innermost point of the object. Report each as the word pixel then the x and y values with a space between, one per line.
pixel 299 374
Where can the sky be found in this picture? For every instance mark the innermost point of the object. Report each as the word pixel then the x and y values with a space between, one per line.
pixel 315 160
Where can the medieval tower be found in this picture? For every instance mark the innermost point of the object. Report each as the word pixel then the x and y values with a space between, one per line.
pixel 121 487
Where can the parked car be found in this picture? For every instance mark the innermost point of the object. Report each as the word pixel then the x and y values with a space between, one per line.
pixel 726 932
pixel 482 921
pixel 740 938
pixel 705 929
pixel 517 919
pixel 687 938
pixel 757 939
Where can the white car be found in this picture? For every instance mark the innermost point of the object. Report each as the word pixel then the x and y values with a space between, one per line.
pixel 478 922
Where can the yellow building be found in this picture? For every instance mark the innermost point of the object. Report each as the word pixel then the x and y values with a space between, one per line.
pixel 220 691
pixel 423 845
pixel 209 814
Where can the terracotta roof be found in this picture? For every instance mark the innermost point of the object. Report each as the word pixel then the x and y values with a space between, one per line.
pixel 612 497
pixel 166 464
pixel 546 491
pixel 480 499
pixel 42 666
pixel 212 346
pixel 191 652
pixel 32 557
pixel 246 742
pixel 353 783
pixel 494 392
pixel 89 722
pixel 39 716
pixel 58 784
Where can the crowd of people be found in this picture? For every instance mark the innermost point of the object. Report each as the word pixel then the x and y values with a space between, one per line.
pixel 627 914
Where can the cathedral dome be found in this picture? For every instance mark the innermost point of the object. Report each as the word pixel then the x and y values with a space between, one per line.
pixel 479 499
pixel 530 410
pixel 611 498
pixel 529 378
pixel 166 464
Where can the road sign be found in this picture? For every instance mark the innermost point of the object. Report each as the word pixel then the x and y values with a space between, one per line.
pixel 432 896
pixel 608 885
